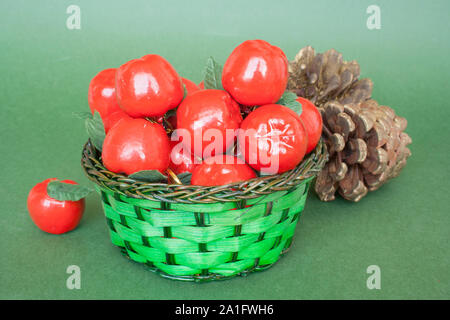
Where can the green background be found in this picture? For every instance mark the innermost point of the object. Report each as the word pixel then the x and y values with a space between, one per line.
pixel 45 70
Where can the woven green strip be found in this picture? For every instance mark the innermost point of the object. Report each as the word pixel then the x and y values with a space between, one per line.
pixel 232 244
pixel 272 255
pixel 256 250
pixel 289 199
pixel 278 229
pixel 173 246
pixel 233 268
pixel 126 233
pixel 267 198
pixel 236 217
pixel 149 254
pixel 202 235
pixel 262 224
pixel 203 260
pixel 143 228
pixel 136 257
pixel 116 239
pixel 213 207
pixel 178 270
pixel 166 218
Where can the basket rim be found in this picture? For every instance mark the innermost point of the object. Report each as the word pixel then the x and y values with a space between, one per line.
pixel 121 184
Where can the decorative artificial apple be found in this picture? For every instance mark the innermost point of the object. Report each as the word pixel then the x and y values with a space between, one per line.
pixel 134 145
pixel 220 170
pixel 181 160
pixel 208 112
pixel 312 120
pixel 102 98
pixel 272 139
pixel 255 73
pixel 148 87
pixel 52 215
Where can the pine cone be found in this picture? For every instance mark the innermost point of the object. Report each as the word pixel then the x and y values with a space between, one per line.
pixel 325 77
pixel 366 142
pixel 367 147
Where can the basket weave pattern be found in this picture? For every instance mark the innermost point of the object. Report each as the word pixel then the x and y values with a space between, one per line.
pixel 197 233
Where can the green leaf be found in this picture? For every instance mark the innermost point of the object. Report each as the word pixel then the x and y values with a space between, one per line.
pixel 65 191
pixel 95 130
pixel 288 99
pixel 184 91
pixel 185 177
pixel 148 176
pixel 171 112
pixel 213 75
pixel 83 115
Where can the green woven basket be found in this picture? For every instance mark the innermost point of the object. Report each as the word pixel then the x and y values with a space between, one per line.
pixel 196 233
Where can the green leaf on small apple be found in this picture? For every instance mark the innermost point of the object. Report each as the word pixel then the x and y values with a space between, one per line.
pixel 148 176
pixel 95 130
pixel 289 99
pixel 67 192
pixel 213 75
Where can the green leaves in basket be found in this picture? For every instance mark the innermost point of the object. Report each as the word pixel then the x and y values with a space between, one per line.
pixel 171 113
pixel 148 176
pixel 83 115
pixel 185 177
pixel 95 130
pixel 65 191
pixel 213 75
pixel 184 91
pixel 94 127
pixel 288 99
